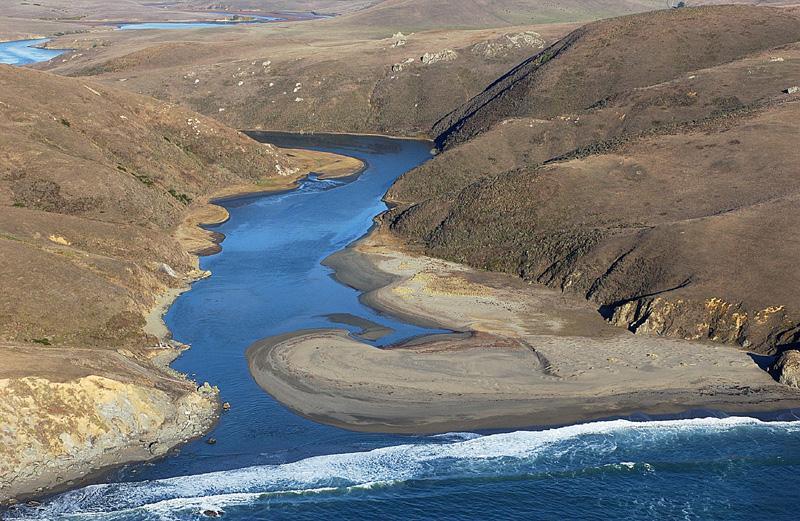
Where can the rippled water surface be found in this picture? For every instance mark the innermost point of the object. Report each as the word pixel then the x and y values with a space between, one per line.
pixel 23 52
pixel 270 464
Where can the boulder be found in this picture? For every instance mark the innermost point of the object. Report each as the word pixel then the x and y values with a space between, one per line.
pixel 399 39
pixel 167 270
pixel 446 55
pixel 508 42
pixel 397 67
pixel 786 368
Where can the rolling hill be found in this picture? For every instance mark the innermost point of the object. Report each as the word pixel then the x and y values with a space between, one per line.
pixel 642 162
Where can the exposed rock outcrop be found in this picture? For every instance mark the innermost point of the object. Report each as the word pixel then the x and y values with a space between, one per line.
pixel 507 43
pixel 710 319
pixel 56 431
pixel 787 368
pixel 399 39
pixel 398 67
pixel 446 55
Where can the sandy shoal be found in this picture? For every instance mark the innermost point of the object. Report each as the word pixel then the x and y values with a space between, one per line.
pixel 525 355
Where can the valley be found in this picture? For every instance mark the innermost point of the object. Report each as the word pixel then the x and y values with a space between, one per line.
pixel 379 224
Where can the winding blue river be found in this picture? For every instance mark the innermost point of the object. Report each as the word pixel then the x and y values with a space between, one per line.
pixel 270 464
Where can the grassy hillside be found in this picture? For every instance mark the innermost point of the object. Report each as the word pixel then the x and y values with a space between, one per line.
pixel 660 189
pixel 319 75
pixel 416 15
pixel 606 58
pixel 94 181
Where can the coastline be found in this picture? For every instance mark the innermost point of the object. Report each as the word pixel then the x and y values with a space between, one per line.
pixel 523 356
pixel 177 409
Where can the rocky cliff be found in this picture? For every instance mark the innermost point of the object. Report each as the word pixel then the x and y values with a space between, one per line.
pixel 70 420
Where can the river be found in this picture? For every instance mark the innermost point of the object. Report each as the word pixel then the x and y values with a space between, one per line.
pixel 23 52
pixel 270 464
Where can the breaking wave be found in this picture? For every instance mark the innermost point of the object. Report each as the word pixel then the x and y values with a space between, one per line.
pixel 592 447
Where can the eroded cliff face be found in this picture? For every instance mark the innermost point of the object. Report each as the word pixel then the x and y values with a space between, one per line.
pixel 786 368
pixel 711 319
pixel 52 432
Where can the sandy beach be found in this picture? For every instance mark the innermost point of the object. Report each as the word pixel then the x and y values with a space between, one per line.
pixel 523 356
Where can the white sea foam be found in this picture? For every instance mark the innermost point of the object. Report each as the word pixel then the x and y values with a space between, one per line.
pixel 515 453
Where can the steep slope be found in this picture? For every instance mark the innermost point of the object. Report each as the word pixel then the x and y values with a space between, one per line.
pixel 111 174
pixel 665 194
pixel 606 58
pixel 93 184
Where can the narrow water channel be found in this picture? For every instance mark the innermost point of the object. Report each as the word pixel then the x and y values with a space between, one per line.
pixel 270 464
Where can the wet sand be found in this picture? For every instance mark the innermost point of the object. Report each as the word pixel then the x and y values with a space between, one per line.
pixel 369 330
pixel 524 355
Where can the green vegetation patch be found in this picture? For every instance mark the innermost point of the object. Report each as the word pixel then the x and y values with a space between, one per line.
pixel 183 198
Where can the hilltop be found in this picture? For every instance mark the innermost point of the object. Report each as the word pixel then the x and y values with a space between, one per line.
pixel 604 59
pixel 642 163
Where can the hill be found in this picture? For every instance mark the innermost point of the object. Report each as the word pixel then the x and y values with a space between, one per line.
pixel 111 174
pixel 94 183
pixel 606 58
pixel 416 15
pixel 309 76
pixel 641 162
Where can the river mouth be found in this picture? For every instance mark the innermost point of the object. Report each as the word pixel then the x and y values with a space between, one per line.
pixel 269 463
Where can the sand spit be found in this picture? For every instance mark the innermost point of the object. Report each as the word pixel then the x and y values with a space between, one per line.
pixel 526 355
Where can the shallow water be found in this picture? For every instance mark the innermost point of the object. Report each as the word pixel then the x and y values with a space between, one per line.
pixel 22 52
pixel 269 463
